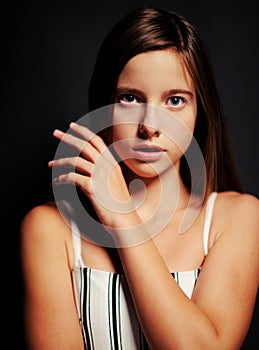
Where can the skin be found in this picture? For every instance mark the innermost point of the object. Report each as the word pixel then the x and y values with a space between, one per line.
pixel 220 311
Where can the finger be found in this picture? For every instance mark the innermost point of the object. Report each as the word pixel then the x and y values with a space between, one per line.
pixel 94 140
pixel 82 181
pixel 76 163
pixel 83 146
pixel 88 135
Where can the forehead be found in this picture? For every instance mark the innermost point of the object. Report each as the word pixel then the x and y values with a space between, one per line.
pixel 160 68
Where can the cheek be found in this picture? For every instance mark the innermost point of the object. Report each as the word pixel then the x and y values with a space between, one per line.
pixel 122 139
pixel 126 120
pixel 179 133
pixel 191 122
pixel 121 132
pixel 188 117
pixel 193 118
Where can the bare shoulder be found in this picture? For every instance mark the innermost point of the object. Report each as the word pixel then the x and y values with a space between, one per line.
pixel 234 204
pixel 237 213
pixel 43 218
pixel 44 229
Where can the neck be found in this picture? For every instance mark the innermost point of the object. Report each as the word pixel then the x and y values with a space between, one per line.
pixel 166 192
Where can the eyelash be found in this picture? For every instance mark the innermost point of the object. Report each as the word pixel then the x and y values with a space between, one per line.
pixel 179 99
pixel 121 99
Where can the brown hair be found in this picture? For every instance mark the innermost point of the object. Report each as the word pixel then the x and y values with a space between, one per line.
pixel 148 29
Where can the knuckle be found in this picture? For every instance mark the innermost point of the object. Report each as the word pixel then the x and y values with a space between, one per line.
pixel 97 138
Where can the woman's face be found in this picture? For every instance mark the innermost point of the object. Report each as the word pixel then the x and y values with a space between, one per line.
pixel 155 112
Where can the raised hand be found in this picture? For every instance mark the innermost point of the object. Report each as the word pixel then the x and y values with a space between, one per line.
pixel 97 173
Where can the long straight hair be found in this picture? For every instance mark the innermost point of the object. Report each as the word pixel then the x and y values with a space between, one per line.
pixel 150 29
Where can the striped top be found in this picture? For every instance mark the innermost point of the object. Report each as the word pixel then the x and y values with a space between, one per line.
pixel 105 309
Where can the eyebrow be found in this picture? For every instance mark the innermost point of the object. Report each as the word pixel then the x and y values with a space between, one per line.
pixel 125 90
pixel 178 91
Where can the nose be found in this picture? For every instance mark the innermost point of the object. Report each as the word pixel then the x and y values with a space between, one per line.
pixel 148 126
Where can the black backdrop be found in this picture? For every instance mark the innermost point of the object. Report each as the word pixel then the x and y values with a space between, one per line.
pixel 49 52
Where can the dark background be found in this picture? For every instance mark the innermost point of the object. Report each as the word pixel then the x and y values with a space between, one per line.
pixel 49 49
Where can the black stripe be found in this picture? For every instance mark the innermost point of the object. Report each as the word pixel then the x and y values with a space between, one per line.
pixel 81 306
pixel 140 337
pixel 145 344
pixel 142 340
pixel 86 291
pixel 114 311
pixel 196 272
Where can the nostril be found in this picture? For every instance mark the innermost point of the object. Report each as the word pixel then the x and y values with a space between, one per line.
pixel 146 131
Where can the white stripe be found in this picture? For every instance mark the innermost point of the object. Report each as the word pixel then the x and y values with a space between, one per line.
pixel 99 306
pixel 187 281
pixel 118 314
pixel 129 321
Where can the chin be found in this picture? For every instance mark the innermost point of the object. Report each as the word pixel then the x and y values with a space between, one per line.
pixel 146 170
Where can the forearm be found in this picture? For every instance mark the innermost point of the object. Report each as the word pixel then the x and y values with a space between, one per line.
pixel 170 320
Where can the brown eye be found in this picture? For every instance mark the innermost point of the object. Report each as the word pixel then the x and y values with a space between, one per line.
pixel 127 98
pixel 176 101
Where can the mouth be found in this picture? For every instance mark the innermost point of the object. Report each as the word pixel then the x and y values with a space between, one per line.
pixel 147 149
pixel 148 153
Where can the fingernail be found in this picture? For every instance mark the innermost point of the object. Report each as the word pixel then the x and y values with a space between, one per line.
pixel 58 132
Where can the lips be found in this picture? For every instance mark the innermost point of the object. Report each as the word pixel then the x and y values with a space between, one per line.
pixel 148 153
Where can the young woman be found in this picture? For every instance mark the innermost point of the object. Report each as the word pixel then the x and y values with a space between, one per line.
pixel 152 277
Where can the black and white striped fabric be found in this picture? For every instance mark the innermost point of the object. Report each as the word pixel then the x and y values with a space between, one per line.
pixel 105 308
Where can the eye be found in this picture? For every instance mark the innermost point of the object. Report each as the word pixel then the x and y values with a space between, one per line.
pixel 176 101
pixel 127 98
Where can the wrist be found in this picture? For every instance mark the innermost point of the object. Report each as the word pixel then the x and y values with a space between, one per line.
pixel 129 231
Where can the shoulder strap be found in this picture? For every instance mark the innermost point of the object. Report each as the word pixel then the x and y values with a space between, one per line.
pixel 207 221
pixel 76 237
pixel 78 262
